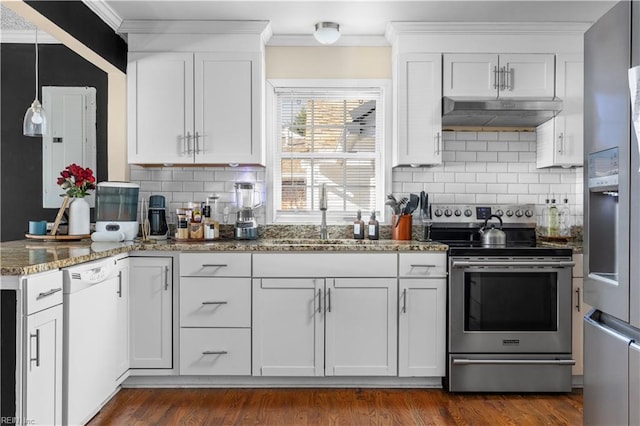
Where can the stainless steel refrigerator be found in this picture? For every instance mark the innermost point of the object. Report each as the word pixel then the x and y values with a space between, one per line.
pixel 612 221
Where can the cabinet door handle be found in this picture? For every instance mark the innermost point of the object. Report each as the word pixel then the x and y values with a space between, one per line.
pixel 197 143
pixel 48 293
pixel 213 302
pixel 188 143
pixel 502 84
pixel 320 300
pixel 329 305
pixel 37 358
pixel 215 353
pixel 404 301
pixel 561 143
pixel 495 77
pixel 578 299
pixel 214 265
pixel 437 147
pixel 423 266
pixel 119 283
pixel 166 278
pixel 507 78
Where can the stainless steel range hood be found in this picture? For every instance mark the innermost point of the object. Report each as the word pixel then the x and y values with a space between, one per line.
pixel 498 112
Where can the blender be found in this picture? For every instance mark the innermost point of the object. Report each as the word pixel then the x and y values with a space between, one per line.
pixel 246 227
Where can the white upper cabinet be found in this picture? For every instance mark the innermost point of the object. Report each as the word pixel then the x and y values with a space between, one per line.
pixel 160 107
pixel 560 141
pixel 418 109
pixel 499 75
pixel 227 108
pixel 196 97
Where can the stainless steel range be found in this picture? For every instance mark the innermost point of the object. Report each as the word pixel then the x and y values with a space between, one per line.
pixel 509 306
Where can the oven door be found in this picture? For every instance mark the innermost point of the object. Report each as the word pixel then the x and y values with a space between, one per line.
pixel 510 305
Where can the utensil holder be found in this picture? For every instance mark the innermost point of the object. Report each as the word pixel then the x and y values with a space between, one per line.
pixel 401 227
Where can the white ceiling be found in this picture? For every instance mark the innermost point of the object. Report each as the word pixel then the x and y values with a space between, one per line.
pixel 359 18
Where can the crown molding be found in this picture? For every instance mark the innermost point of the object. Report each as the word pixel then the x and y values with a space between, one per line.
pixel 104 12
pixel 262 28
pixel 27 37
pixel 394 29
pixel 309 40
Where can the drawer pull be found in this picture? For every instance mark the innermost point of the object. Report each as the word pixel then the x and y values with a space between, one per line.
pixel 423 266
pixel 48 293
pixel 215 353
pixel 213 302
pixel 214 265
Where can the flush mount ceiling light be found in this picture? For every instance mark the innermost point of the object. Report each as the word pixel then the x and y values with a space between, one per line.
pixel 327 32
pixel 35 119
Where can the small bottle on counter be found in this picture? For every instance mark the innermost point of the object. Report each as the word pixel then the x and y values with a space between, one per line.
pixel 358 227
pixel 182 230
pixel 211 224
pixel 565 219
pixel 553 229
pixel 373 230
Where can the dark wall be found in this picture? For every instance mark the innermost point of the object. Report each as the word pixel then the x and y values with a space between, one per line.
pixel 21 156
pixel 77 19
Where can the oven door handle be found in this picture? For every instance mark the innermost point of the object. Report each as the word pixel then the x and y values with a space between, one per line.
pixel 511 263
pixel 463 361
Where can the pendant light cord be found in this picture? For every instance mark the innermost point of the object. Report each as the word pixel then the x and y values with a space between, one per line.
pixel 36 63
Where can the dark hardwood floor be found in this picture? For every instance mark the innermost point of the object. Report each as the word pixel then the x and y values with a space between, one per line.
pixel 336 407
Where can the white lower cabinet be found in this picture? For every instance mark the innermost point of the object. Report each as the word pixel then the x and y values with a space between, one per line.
pixel 42 360
pixel 306 323
pixel 422 315
pixel 579 309
pixel 215 314
pixel 151 312
pixel 122 320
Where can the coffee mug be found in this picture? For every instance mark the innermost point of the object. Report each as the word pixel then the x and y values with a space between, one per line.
pixel 37 227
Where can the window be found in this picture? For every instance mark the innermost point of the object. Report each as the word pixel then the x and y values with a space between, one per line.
pixel 327 136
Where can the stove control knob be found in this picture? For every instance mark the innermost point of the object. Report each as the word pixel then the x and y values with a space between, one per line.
pixel 528 213
pixel 468 213
pixel 509 213
pixel 447 212
pixel 499 213
pixel 457 212
pixel 438 212
pixel 519 213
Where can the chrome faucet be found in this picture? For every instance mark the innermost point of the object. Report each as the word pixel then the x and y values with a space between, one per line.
pixel 323 209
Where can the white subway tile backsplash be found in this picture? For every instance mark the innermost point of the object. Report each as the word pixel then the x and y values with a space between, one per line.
pixel 465 199
pixel 518 167
pixel 497 146
pixel 465 156
pixel 528 178
pixel 528 136
pixel 162 175
pixel 508 157
pixel 509 136
pixel 205 176
pixel 486 199
pixel 507 199
pixel 466 136
pixel 488 136
pixel 193 186
pixel 539 188
pixel 487 157
pixel 476 167
pixel 527 157
pixel 150 186
pixel 455 146
pixel 477 146
pixel 550 178
pixel 487 178
pixel 454 166
pixel 476 188
pixel 519 146
pixel 183 175
pixel 518 188
pixel 465 177
pixel 497 188
pixel 449 136
pixel 445 177
pixel 172 186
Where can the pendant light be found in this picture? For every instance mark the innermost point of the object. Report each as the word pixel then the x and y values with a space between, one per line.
pixel 35 119
pixel 327 32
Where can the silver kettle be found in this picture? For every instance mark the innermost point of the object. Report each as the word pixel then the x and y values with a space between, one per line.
pixel 493 237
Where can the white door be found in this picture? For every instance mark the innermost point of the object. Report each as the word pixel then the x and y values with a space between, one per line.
pixel 528 75
pixel 361 327
pixel 43 364
pixel 227 109
pixel 151 313
pixel 122 320
pixel 419 110
pixel 288 325
pixel 71 114
pixel 569 123
pixel 422 325
pixel 160 108
pixel 470 75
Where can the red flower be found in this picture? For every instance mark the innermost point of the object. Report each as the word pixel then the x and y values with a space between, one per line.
pixel 76 180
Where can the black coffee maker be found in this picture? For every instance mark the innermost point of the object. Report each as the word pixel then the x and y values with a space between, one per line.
pixel 157 218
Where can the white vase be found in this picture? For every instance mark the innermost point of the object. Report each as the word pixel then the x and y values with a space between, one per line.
pixel 79 221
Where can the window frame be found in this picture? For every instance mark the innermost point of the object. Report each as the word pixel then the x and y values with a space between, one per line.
pixel 384 131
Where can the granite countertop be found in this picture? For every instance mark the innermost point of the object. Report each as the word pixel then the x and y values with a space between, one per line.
pixel 31 256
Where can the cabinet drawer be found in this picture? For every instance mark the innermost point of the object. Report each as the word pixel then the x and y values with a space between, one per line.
pixel 313 265
pixel 43 291
pixel 215 264
pixel 215 302
pixel 215 351
pixel 423 265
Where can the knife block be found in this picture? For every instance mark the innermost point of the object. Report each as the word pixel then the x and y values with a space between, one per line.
pixel 401 227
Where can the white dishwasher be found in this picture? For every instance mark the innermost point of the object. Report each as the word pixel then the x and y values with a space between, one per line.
pixel 90 338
